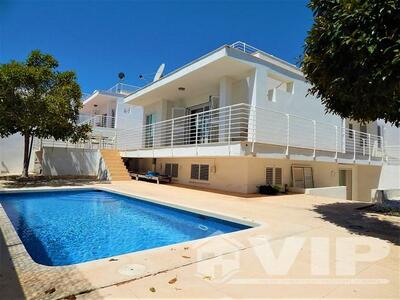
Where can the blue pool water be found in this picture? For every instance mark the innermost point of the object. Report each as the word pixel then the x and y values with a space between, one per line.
pixel 63 228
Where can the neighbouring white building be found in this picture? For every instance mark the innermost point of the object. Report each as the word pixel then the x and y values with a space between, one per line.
pixel 234 119
pixel 105 110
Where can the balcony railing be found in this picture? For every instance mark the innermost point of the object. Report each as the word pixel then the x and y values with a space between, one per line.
pixel 245 123
pixel 242 46
pixel 97 121
pixel 122 88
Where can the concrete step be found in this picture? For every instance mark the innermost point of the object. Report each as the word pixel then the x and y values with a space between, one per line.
pixel 120 178
pixel 117 169
pixel 115 165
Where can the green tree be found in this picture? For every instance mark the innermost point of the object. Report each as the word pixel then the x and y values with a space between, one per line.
pixel 37 100
pixel 352 58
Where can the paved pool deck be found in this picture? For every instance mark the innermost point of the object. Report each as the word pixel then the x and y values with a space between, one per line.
pixel 304 247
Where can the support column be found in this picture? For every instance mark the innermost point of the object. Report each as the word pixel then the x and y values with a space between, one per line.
pixel 258 93
pixel 225 91
pixel 258 87
pixel 225 99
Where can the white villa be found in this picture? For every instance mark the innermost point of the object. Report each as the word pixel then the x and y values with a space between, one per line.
pixel 234 119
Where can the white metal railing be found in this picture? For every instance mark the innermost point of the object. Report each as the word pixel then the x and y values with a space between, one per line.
pixel 122 88
pixel 242 46
pixel 246 48
pixel 222 125
pixel 245 123
pixel 97 121
pixel 94 142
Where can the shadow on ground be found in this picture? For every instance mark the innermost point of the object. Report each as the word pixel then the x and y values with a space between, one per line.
pixel 10 287
pixel 44 181
pixel 356 219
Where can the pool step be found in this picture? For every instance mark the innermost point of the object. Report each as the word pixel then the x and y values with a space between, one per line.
pixel 115 165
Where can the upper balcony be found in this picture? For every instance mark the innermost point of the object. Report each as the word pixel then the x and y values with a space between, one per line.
pixel 123 89
pixel 242 129
pixel 118 90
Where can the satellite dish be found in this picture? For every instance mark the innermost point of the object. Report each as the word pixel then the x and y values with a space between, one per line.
pixel 121 75
pixel 159 73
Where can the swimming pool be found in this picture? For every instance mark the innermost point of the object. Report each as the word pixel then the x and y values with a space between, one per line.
pixel 69 227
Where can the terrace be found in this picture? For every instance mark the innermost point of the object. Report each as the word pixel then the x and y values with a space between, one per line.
pixel 243 129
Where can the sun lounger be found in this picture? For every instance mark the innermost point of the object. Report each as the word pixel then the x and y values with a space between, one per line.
pixel 151 176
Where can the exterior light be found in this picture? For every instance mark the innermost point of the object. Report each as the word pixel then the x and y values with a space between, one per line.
pixel 181 88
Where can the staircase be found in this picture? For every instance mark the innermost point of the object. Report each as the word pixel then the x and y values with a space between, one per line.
pixel 115 165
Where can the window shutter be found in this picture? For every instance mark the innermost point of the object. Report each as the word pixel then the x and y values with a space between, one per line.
pixel 204 170
pixel 194 172
pixel 278 176
pixel 168 169
pixel 174 170
pixel 269 176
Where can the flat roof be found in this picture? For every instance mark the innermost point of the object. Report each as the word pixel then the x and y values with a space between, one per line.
pixel 212 57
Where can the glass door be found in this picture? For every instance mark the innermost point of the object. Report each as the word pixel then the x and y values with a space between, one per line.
pixel 149 132
pixel 198 124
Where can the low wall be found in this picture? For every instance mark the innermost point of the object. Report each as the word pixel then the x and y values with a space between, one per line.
pixel 12 155
pixel 386 196
pixel 338 192
pixel 72 162
pixel 389 177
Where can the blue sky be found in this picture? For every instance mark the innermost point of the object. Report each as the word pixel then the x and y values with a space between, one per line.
pixel 98 39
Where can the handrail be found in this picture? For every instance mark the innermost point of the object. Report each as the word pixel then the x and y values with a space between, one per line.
pixel 123 88
pixel 100 121
pixel 246 48
pixel 245 123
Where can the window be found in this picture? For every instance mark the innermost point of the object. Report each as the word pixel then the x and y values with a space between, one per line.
pixel 278 176
pixel 171 170
pixel 379 133
pixel 273 176
pixel 199 172
pixel 269 176
pixel 204 170
pixel 302 177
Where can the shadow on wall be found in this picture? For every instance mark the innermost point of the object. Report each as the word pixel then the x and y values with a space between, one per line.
pixel 356 220
pixel 102 172
pixel 38 181
pixel 4 168
pixel 73 162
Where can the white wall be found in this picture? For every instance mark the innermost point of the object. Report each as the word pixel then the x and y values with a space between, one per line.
pixel 127 116
pixel 71 162
pixel 391 134
pixel 338 192
pixel 390 177
pixel 12 155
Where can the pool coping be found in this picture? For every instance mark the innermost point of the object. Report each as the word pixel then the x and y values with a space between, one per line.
pixel 26 267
